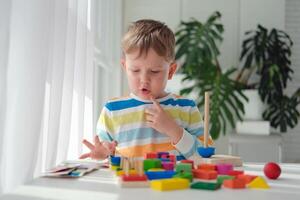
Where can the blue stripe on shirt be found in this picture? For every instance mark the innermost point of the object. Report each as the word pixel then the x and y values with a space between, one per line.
pixel 124 104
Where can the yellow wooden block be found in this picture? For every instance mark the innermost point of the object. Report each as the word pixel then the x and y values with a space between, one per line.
pixel 121 172
pixel 112 167
pixel 155 170
pixel 170 184
pixel 258 183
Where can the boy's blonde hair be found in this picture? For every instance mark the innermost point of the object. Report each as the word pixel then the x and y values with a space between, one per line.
pixel 145 34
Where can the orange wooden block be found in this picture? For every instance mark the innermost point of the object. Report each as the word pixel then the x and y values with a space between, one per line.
pixel 235 173
pixel 234 183
pixel 205 174
pixel 205 166
pixel 246 178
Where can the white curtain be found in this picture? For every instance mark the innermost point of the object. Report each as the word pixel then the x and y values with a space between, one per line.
pixel 52 64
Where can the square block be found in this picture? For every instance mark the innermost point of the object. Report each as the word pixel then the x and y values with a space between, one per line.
pixel 234 184
pixel 205 174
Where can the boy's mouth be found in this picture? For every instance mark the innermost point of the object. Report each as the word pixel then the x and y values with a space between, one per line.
pixel 145 91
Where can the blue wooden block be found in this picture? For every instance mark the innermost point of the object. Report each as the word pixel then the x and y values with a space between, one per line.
pixel 165 159
pixel 152 175
pixel 115 160
pixel 180 157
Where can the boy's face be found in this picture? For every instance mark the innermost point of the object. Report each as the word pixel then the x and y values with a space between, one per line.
pixel 147 74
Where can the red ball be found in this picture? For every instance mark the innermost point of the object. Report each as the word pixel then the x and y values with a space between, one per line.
pixel 272 170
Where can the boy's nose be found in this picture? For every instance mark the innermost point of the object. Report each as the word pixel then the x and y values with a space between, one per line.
pixel 145 78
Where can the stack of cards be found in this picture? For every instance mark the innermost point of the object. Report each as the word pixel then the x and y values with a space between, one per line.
pixel 72 170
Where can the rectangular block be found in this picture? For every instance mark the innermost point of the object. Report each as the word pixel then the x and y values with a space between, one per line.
pixel 188 161
pixel 224 169
pixel 168 165
pixel 235 173
pixel 134 177
pixel 221 179
pixel 159 174
pixel 247 178
pixel 183 167
pixel 205 186
pixel 234 184
pixel 152 163
pixel 170 184
pixel 151 155
pixel 205 166
pixel 205 174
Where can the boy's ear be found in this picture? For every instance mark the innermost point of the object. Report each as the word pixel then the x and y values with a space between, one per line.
pixel 172 70
pixel 123 63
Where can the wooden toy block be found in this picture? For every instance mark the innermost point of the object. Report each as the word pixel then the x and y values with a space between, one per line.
pixel 247 178
pixel 180 157
pixel 205 166
pixel 168 165
pixel 152 163
pixel 170 184
pixel 204 174
pixel 184 167
pixel 171 157
pixel 115 160
pixel 122 172
pixel 134 184
pixel 159 175
pixel 235 173
pixel 115 168
pixel 205 186
pixel 165 160
pixel 160 154
pixel 185 175
pixel 188 161
pixel 134 177
pixel 234 184
pixel 151 155
pixel 156 170
pixel 223 169
pixel 221 159
pixel 221 179
pixel 259 183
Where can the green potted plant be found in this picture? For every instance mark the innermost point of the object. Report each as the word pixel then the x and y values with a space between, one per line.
pixel 197 47
pixel 267 54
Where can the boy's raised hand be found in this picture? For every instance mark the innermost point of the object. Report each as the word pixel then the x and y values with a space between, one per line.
pixel 99 150
pixel 158 119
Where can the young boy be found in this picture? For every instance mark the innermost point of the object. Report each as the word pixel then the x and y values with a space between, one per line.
pixel 149 119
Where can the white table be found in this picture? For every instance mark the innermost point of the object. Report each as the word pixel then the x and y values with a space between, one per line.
pixel 102 185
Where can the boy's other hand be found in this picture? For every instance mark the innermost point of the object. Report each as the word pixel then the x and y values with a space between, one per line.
pixel 99 150
pixel 158 119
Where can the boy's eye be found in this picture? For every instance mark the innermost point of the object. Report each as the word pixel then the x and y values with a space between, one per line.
pixel 135 70
pixel 155 72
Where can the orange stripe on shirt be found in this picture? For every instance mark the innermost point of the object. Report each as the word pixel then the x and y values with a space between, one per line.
pixel 141 150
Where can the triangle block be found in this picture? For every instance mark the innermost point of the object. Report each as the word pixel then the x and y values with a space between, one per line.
pixel 259 183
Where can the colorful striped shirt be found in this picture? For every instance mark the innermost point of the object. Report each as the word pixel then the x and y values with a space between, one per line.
pixel 123 120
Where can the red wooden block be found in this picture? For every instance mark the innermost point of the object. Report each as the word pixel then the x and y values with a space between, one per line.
pixel 234 183
pixel 246 178
pixel 134 177
pixel 188 161
pixel 205 174
pixel 205 166
pixel 235 173
pixel 151 155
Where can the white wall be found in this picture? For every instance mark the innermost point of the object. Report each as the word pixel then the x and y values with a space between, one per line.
pixel 237 17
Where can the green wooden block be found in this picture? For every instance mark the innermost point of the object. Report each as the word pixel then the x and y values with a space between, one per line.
pixel 220 179
pixel 184 167
pixel 185 175
pixel 205 185
pixel 152 163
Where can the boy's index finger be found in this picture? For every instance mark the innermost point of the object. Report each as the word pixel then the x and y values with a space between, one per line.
pixel 156 103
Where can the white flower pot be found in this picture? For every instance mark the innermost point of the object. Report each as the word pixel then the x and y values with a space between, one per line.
pixel 254 107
